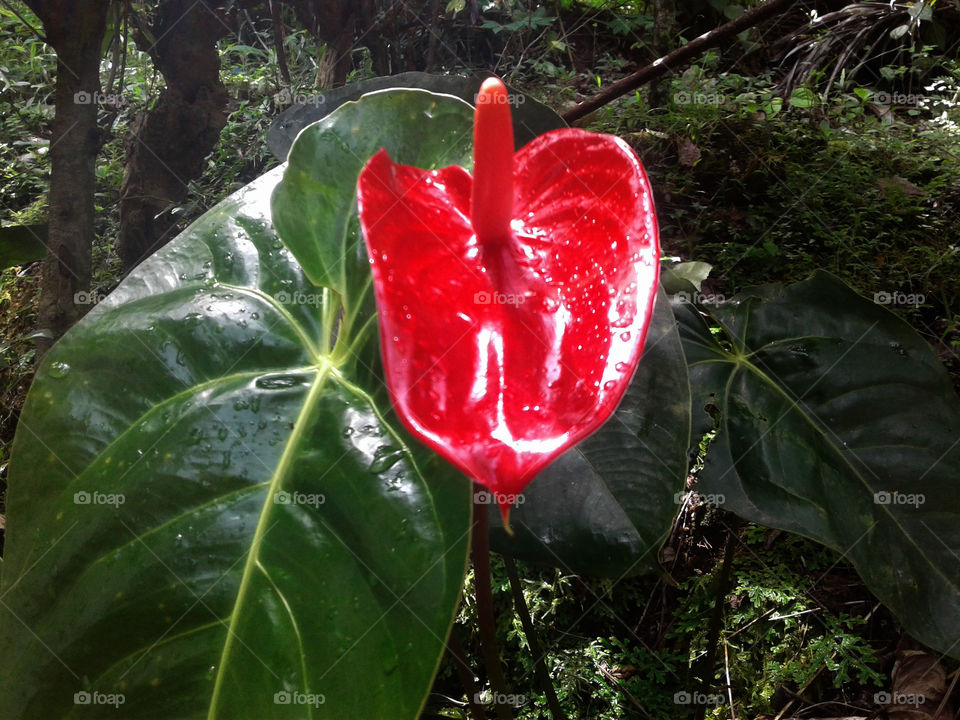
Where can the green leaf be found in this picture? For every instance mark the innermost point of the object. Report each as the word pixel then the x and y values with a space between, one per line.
pixel 212 512
pixel 899 31
pixel 605 507
pixel 685 276
pixel 316 220
pixel 773 107
pixel 838 422
pixel 530 117
pixel 803 98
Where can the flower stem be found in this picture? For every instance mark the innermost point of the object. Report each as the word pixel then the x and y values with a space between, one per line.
pixel 485 620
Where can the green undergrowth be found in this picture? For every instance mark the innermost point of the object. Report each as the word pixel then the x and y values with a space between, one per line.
pixel 631 648
pixel 769 190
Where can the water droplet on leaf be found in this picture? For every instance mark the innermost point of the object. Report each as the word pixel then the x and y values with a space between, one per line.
pixel 59 369
pixel 385 457
pixel 278 382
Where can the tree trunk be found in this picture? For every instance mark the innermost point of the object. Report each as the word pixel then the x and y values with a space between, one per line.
pixel 75 30
pixel 664 22
pixel 333 22
pixel 167 146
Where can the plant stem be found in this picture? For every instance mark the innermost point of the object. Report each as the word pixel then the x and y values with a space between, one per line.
pixel 465 674
pixel 716 622
pixel 487 624
pixel 536 649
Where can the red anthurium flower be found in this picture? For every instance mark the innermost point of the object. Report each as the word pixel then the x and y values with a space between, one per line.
pixel 513 305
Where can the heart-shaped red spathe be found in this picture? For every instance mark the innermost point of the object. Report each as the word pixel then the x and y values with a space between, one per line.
pixel 500 353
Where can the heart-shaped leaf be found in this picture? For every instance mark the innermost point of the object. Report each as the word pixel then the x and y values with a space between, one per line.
pixel 530 117
pixel 212 512
pixel 837 422
pixel 316 220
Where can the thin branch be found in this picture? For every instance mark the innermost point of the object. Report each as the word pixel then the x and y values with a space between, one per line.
pixel 677 58
pixel 536 649
pixel 726 669
pixel 24 21
pixel 465 674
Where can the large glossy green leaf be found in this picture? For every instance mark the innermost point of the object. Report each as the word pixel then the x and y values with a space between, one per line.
pixel 316 221
pixel 211 511
pixel 605 507
pixel 838 422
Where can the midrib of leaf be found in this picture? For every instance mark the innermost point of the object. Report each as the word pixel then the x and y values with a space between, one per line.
pixel 250 567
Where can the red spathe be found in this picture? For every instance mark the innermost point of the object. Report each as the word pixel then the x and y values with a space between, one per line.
pixel 502 354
